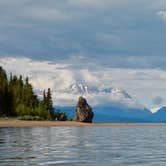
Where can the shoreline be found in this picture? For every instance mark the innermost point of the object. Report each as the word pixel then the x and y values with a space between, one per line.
pixel 22 123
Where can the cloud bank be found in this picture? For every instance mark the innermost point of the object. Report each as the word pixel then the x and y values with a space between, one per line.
pixel 147 86
pixel 101 43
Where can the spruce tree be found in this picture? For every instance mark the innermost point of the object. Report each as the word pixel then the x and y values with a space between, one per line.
pixel 49 103
pixel 17 98
pixel 49 100
pixel 29 98
pixel 3 93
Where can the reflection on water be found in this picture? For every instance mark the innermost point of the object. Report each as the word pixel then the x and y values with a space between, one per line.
pixel 91 146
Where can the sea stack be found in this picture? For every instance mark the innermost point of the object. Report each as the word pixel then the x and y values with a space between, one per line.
pixel 83 112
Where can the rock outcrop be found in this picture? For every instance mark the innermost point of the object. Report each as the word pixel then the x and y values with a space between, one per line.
pixel 83 112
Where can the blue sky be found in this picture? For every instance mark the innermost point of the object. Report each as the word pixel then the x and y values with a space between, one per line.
pixel 128 34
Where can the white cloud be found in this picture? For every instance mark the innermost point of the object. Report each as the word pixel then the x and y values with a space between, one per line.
pixel 162 14
pixel 142 84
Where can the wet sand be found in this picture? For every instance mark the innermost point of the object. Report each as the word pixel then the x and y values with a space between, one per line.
pixel 21 123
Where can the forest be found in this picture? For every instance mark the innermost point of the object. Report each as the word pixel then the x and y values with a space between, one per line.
pixel 18 99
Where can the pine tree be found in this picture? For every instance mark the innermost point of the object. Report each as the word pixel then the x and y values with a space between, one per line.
pixel 29 98
pixel 44 98
pixel 48 103
pixel 17 98
pixel 3 93
pixel 49 100
pixel 15 88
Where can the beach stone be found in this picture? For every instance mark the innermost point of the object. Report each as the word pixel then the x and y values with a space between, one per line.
pixel 83 112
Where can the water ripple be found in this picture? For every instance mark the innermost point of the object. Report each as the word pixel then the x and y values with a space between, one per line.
pixel 71 146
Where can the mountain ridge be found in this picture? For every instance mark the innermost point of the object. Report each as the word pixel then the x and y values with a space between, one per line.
pixel 109 95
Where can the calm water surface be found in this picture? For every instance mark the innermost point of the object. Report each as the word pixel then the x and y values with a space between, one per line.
pixel 78 146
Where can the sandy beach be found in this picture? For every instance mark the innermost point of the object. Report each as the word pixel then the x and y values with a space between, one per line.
pixel 21 123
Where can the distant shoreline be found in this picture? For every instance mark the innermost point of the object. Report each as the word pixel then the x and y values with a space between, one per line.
pixel 21 123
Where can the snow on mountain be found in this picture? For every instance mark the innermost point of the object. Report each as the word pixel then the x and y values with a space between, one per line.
pixel 95 95
pixel 80 89
pixel 76 89
pixel 110 104
pixel 154 110
pixel 160 115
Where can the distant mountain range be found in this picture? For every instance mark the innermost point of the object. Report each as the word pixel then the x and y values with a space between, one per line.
pixel 80 89
pixel 96 96
pixel 160 115
pixel 121 115
pixel 113 105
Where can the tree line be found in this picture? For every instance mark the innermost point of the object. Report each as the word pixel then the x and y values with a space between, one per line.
pixel 17 99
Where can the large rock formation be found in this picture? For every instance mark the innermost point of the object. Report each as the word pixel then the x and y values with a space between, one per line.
pixel 83 111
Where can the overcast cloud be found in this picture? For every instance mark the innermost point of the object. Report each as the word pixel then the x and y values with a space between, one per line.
pixel 125 38
pixel 146 86
pixel 128 34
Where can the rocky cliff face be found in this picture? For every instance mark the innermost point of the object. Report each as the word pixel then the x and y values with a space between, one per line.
pixel 84 112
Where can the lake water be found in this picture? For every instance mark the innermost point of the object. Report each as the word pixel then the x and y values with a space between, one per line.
pixel 80 146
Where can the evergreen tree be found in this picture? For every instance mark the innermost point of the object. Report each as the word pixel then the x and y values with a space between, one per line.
pixel 49 100
pixel 3 93
pixel 29 98
pixel 50 103
pixel 17 98
pixel 44 101
pixel 15 89
pixel 47 103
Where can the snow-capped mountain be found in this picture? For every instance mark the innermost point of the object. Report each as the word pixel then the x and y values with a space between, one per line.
pixel 160 115
pixel 76 89
pixel 80 89
pixel 155 110
pixel 97 96
pixel 110 104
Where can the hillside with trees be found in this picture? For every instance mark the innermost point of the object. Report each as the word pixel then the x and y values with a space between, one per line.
pixel 17 99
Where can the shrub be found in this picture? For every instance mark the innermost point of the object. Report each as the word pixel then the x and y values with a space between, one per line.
pixel 60 116
pixel 42 112
pixel 22 110
pixel 29 117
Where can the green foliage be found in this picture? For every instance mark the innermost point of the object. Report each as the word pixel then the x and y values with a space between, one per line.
pixel 47 103
pixel 42 112
pixel 29 117
pixel 60 116
pixel 22 110
pixel 17 98
pixel 3 93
